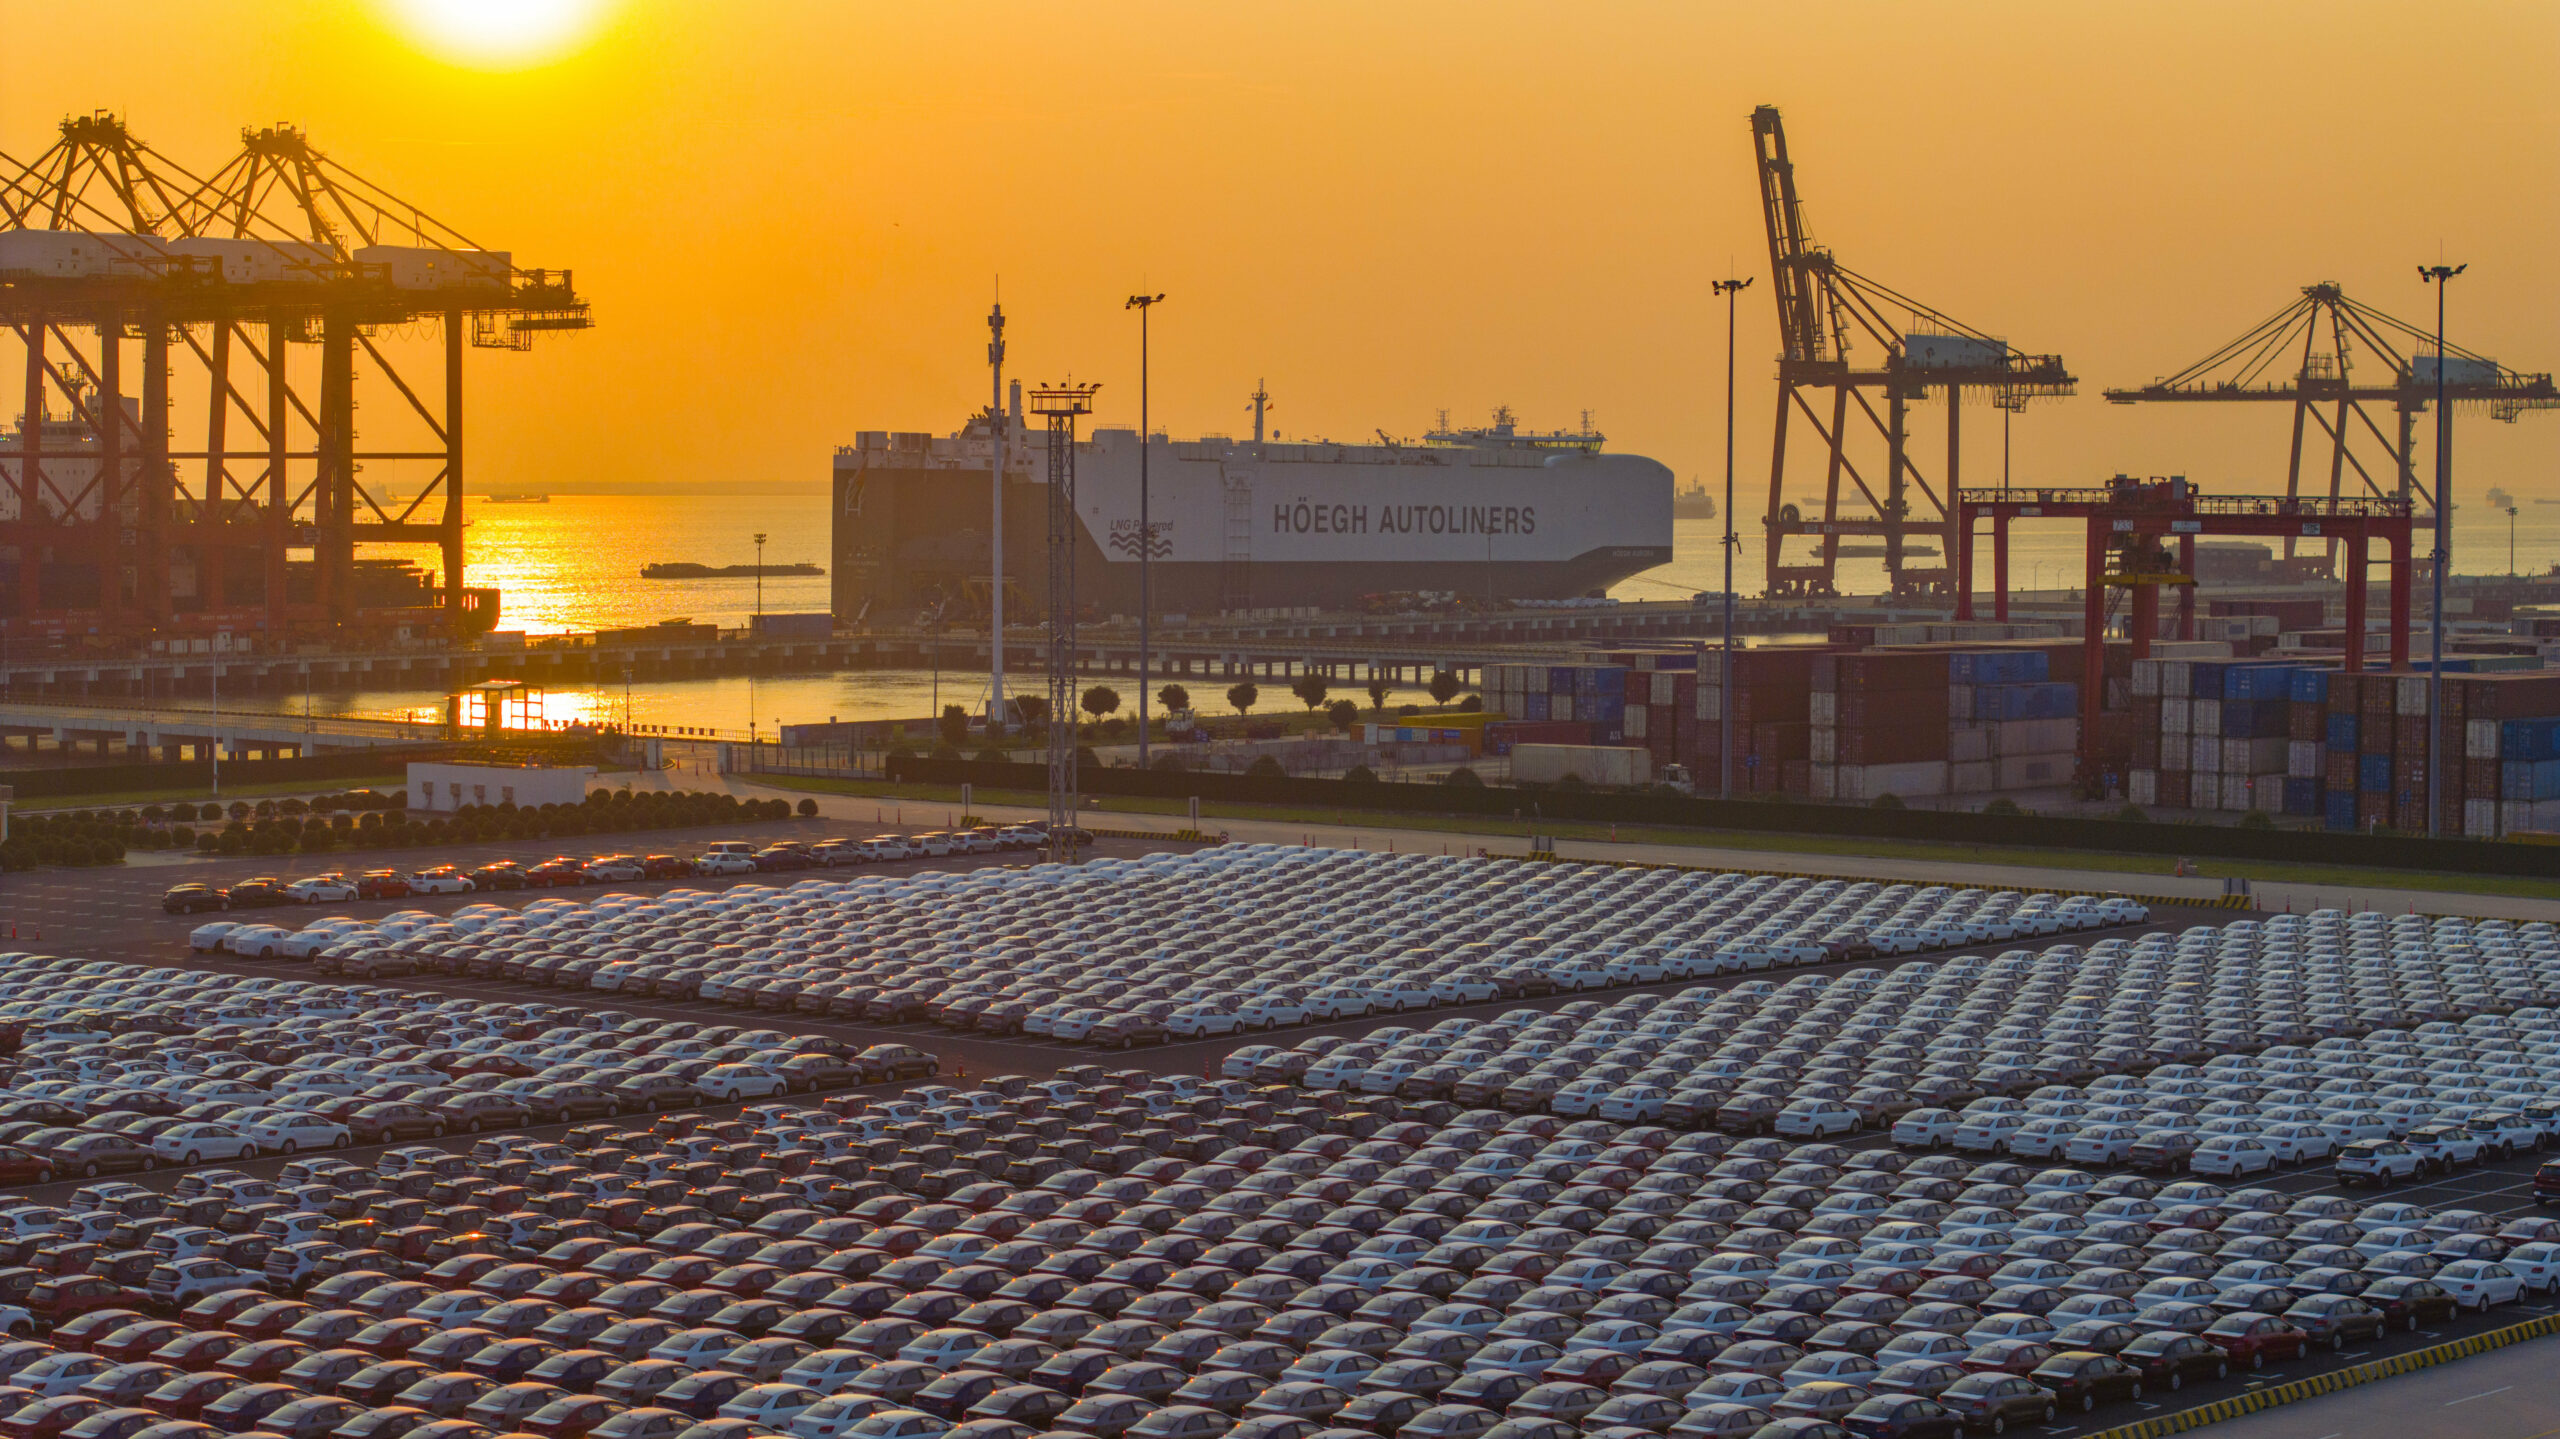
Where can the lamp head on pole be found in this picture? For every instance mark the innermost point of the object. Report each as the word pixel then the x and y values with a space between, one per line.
pixel 2438 274
pixel 1728 287
pixel 1140 302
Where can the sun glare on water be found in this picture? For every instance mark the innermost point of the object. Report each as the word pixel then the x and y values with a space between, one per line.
pixel 498 33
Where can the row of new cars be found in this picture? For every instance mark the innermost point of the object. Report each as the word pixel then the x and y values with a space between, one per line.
pixel 724 857
pixel 1224 941
pixel 1138 1256
pixel 2230 1050
pixel 124 1068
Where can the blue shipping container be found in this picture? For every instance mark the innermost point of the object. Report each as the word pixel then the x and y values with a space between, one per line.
pixel 1560 680
pixel 1998 667
pixel 2535 739
pixel 2342 810
pixel 1533 707
pixel 2311 687
pixel 2373 773
pixel 2302 796
pixel 2050 700
pixel 2342 732
pixel 2529 779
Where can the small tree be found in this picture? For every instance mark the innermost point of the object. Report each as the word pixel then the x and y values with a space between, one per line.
pixel 1030 710
pixel 1360 774
pixel 808 809
pixel 1444 687
pixel 1378 693
pixel 1100 700
pixel 1243 695
pixel 1174 698
pixel 1463 778
pixel 954 725
pixel 1344 715
pixel 1311 688
pixel 1887 800
pixel 1266 768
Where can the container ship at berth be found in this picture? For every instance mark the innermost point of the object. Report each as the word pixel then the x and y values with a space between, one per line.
pixel 1494 514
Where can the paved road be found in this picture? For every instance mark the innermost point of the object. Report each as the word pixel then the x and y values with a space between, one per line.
pixel 2504 1394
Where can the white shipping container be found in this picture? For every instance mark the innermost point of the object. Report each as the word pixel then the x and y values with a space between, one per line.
pixel 2410 695
pixel 2177 715
pixel 260 262
pixel 1596 764
pixel 2146 679
pixel 1973 777
pixel 2481 818
pixel 1560 707
pixel 2035 736
pixel 1824 707
pixel 2204 717
pixel 2480 739
pixel 1822 781
pixel 75 254
pixel 1822 744
pixel 1710 703
pixel 2142 786
pixel 2539 814
pixel 2204 791
pixel 1634 726
pixel 1864 782
pixel 2204 755
pixel 1665 687
pixel 2188 650
pixel 2177 680
pixel 1960 700
pixel 2235 792
pixel 2306 759
pixel 2036 771
pixel 1968 743
pixel 2254 756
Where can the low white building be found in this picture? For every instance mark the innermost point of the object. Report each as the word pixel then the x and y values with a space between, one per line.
pixel 444 788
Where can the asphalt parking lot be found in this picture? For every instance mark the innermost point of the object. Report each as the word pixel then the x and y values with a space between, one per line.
pixel 115 914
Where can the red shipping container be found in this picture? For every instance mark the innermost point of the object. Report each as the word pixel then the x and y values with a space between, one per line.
pixel 1889 744
pixel 2346 693
pixel 2373 734
pixel 1795 777
pixel 2307 722
pixel 1854 708
pixel 1880 670
pixel 1782 742
pixel 2372 809
pixel 2146 749
pixel 2342 770
pixel 2522 695
pixel 2409 734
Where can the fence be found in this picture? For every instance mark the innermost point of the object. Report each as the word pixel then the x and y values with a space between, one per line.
pixel 2464 856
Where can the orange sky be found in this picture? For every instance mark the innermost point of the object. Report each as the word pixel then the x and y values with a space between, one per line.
pixel 789 212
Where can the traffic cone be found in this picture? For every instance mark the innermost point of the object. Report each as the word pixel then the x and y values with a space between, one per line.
pixel 960 1069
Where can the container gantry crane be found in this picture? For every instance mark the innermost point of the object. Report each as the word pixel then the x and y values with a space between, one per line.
pixel 2304 356
pixel 1825 310
pixel 105 241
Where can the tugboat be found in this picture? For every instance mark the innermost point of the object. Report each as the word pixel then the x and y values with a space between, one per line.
pixel 1693 503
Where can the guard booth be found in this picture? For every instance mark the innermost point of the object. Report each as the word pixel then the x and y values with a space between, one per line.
pixel 492 706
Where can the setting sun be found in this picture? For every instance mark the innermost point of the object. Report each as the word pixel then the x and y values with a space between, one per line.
pixel 498 32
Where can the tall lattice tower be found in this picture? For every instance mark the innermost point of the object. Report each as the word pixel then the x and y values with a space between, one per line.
pixel 1062 406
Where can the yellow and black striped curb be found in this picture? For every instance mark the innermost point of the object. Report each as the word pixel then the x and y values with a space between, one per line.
pixel 2332 1382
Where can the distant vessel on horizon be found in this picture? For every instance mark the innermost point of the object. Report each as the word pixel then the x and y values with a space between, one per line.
pixel 1693 503
pixel 515 499
pixel 687 570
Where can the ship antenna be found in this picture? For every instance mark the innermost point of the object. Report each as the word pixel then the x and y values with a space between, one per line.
pixel 1261 405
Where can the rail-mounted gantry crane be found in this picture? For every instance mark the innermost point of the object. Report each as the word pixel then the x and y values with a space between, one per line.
pixel 1825 312
pixel 109 527
pixel 2304 356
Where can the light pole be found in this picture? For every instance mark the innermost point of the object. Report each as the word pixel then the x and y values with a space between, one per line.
pixel 2511 542
pixel 2439 276
pixel 1732 292
pixel 755 636
pixel 1143 304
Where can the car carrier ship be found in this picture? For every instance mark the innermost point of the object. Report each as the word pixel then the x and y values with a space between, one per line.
pixel 1498 514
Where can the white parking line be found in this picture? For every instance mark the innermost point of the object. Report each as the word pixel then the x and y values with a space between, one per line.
pixel 2483 1394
